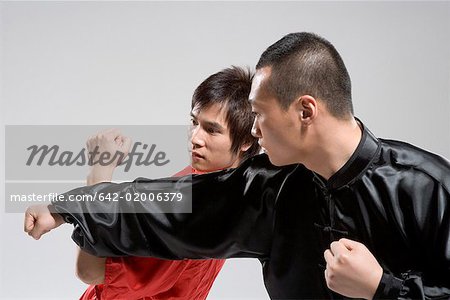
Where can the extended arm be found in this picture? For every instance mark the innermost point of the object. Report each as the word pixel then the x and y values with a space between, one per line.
pixel 89 268
pixel 232 215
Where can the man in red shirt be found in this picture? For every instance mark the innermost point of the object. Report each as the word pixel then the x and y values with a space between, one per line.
pixel 220 139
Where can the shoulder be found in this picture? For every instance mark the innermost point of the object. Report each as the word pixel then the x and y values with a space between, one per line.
pixel 412 159
pixel 260 164
pixel 186 171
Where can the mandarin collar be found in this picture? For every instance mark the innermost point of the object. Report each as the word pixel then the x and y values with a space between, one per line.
pixel 354 168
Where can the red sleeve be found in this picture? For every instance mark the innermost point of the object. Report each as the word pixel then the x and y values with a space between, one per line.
pixel 90 293
pixel 194 282
pixel 186 171
pixel 135 277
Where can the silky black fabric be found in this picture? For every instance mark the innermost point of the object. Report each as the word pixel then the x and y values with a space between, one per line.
pixel 390 196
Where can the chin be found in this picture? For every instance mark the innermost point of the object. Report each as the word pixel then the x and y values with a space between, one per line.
pixel 275 161
pixel 279 162
pixel 198 167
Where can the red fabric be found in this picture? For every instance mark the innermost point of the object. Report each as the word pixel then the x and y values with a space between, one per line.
pixel 147 278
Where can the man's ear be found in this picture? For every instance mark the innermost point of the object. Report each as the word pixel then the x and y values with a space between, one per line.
pixel 306 107
pixel 245 147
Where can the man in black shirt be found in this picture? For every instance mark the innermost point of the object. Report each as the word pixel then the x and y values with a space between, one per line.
pixel 349 215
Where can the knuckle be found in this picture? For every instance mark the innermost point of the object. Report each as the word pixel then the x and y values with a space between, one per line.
pixel 330 281
pixel 331 270
pixel 331 285
pixel 342 259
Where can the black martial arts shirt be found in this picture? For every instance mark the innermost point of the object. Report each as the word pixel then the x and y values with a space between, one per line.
pixel 391 196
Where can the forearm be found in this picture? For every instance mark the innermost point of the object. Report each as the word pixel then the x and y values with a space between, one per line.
pixel 432 280
pixel 91 269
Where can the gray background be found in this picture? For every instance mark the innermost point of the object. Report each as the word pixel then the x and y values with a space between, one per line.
pixel 138 63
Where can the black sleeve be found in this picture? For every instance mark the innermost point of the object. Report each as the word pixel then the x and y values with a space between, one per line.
pixel 411 285
pixel 232 215
pixel 431 279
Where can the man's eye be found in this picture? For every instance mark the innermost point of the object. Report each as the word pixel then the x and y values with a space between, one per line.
pixel 194 122
pixel 212 130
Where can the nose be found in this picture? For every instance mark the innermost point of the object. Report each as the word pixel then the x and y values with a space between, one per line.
pixel 197 138
pixel 255 129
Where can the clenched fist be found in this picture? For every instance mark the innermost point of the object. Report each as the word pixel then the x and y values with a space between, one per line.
pixel 39 220
pixel 352 270
pixel 107 149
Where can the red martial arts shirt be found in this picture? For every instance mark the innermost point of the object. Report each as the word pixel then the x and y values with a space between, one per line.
pixel 147 278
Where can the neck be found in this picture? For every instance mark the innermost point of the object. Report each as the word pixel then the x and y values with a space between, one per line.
pixel 334 145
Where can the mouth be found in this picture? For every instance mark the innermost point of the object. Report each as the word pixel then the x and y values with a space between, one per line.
pixel 196 155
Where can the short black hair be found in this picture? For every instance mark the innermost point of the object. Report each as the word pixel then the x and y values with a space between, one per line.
pixel 231 88
pixel 304 63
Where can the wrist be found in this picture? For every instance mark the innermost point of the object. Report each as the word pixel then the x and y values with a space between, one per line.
pixel 59 219
pixel 375 283
pixel 99 174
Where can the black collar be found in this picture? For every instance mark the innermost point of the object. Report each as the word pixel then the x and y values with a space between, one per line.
pixel 360 160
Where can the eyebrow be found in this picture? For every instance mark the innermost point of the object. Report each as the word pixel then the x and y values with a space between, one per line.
pixel 214 125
